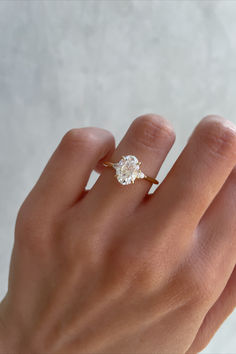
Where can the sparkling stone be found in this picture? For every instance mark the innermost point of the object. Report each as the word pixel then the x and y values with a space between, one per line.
pixel 128 169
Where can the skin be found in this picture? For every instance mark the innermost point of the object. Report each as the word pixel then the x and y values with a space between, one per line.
pixel 115 270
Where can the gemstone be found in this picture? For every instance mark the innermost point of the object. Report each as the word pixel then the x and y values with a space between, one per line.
pixel 128 169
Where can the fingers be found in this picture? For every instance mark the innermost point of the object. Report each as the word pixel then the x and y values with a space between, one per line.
pixel 198 174
pixel 215 254
pixel 149 138
pixel 222 308
pixel 67 172
pixel 217 229
pixel 215 244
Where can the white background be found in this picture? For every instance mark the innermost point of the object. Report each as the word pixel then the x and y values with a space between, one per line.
pixel 66 64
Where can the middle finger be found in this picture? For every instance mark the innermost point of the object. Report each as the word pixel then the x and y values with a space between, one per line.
pixel 197 175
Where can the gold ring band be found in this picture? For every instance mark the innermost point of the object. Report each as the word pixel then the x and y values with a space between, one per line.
pixel 128 170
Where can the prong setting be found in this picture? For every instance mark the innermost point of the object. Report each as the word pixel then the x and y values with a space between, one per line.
pixel 128 169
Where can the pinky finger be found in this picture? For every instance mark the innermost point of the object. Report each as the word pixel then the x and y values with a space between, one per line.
pixel 222 308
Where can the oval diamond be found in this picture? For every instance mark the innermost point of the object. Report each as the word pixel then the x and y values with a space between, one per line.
pixel 127 170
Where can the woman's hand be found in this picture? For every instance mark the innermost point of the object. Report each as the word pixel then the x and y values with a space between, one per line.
pixel 117 270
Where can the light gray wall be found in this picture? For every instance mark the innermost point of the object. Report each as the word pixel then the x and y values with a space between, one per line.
pixel 66 64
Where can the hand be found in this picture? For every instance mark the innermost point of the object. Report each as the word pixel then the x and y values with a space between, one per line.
pixel 115 269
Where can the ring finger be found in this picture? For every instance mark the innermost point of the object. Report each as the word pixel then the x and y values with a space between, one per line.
pixel 149 138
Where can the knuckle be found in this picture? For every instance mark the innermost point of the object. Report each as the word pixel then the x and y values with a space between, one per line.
pixel 219 135
pixel 77 139
pixel 31 230
pixel 26 219
pixel 152 130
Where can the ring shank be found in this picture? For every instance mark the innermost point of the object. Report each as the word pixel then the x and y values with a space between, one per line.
pixel 152 180
pixel 108 164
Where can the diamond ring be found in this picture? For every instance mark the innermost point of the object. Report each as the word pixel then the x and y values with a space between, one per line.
pixel 128 169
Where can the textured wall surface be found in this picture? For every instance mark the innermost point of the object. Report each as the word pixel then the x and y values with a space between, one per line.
pixel 66 64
